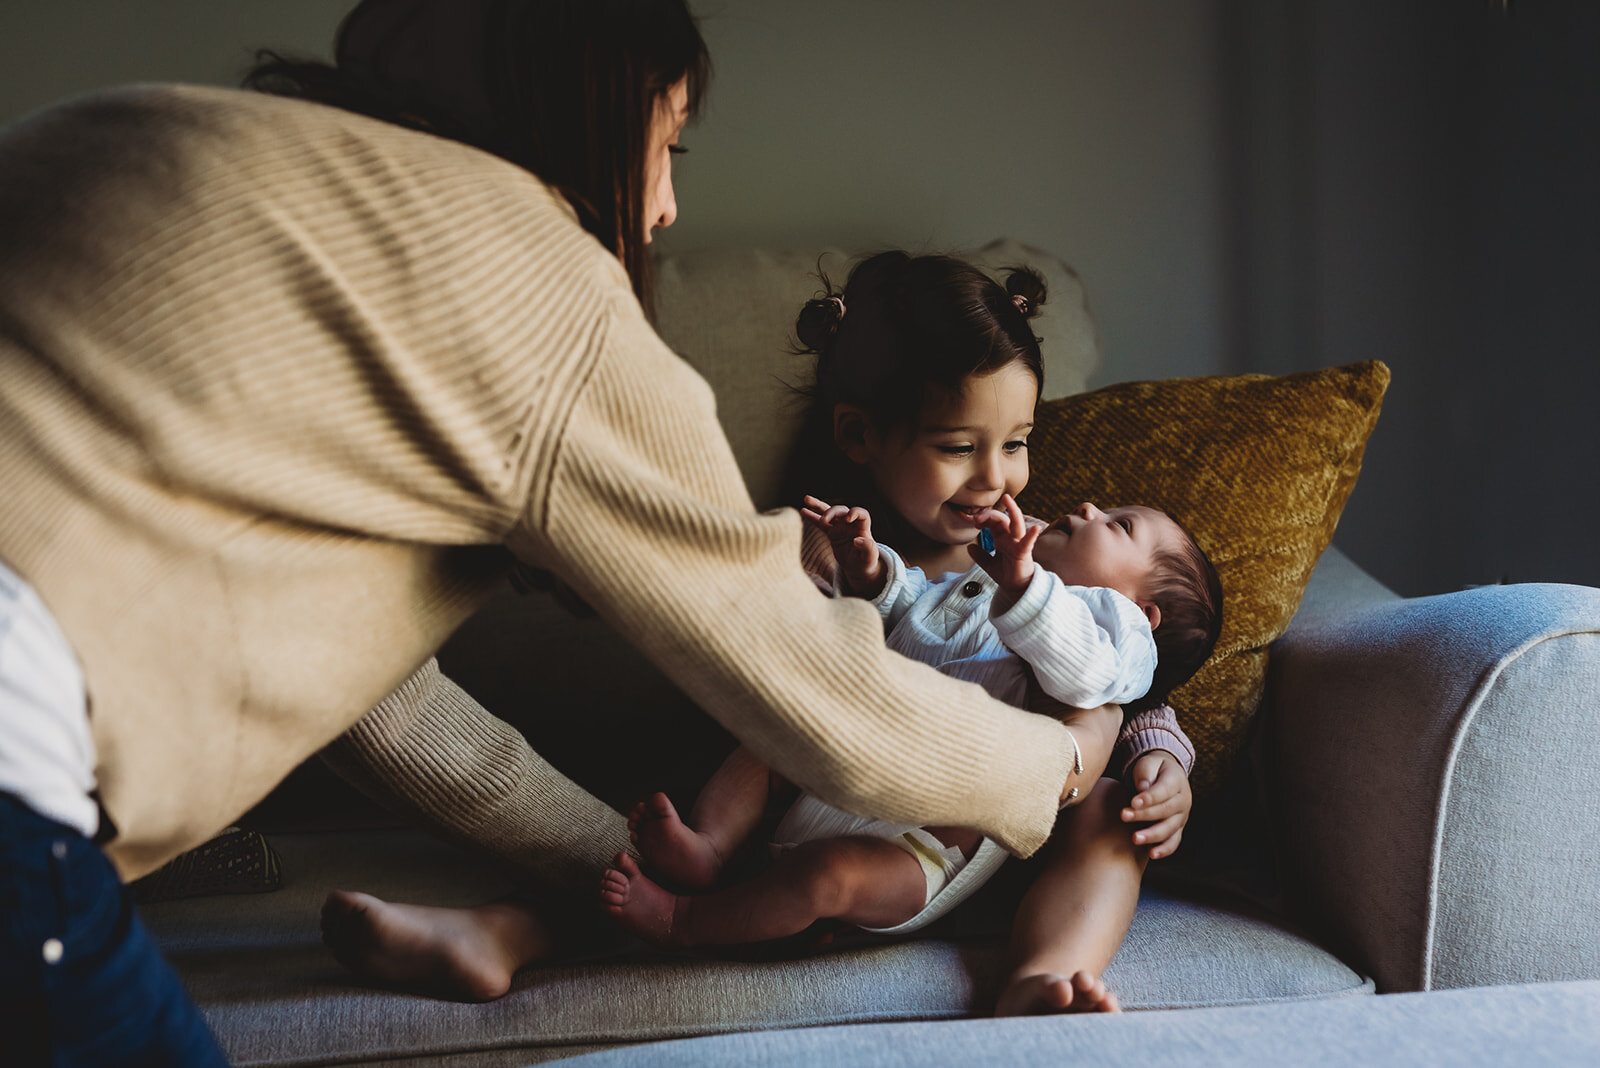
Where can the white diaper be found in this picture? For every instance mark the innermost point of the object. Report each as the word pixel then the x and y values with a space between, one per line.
pixel 951 877
pixel 939 861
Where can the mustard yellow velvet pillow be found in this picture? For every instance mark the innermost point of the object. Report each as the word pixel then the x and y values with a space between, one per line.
pixel 1258 469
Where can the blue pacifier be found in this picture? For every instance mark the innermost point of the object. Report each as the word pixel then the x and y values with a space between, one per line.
pixel 986 542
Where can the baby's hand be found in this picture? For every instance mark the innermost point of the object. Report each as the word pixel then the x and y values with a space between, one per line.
pixel 1163 797
pixel 1012 563
pixel 849 531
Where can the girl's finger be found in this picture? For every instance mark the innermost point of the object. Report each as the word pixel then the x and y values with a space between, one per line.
pixel 1028 538
pixel 1163 784
pixel 817 503
pixel 1167 848
pixel 856 515
pixel 1146 813
pixel 1151 794
pixel 1018 524
pixel 1165 788
pixel 1157 833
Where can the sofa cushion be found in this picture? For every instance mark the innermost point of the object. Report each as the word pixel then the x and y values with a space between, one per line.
pixel 274 994
pixel 1557 1023
pixel 1257 467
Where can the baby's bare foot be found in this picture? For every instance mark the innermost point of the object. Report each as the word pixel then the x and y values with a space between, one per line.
pixel 639 904
pixel 1044 993
pixel 671 847
pixel 460 954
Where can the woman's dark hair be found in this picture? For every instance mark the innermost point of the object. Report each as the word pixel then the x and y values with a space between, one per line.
pixel 1185 586
pixel 902 325
pixel 565 89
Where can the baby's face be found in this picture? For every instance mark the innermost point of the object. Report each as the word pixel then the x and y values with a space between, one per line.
pixel 1088 547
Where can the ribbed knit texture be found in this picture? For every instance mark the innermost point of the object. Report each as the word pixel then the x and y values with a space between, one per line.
pixel 279 384
pixel 1147 731
pixel 432 753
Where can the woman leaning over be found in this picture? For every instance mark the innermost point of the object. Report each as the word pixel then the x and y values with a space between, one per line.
pixel 286 388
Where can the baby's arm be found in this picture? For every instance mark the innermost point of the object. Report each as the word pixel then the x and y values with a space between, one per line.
pixel 1087 646
pixel 1011 566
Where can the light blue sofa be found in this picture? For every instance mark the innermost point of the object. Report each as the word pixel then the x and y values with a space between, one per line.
pixel 1417 811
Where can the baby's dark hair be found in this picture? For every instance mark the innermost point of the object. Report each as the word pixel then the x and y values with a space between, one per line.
pixel 1185 586
pixel 901 325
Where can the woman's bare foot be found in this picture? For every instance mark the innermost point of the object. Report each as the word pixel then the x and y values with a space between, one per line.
pixel 639 904
pixel 681 855
pixel 1046 992
pixel 460 954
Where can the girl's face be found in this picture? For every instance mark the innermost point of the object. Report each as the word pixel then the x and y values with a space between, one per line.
pixel 661 143
pixel 967 450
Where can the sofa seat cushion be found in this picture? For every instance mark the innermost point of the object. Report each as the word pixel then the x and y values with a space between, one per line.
pixel 1546 1024
pixel 275 995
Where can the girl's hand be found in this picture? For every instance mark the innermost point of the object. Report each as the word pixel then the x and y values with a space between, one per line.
pixel 1012 563
pixel 849 531
pixel 1163 797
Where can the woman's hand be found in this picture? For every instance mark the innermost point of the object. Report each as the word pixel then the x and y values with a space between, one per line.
pixel 1012 565
pixel 849 531
pixel 1162 802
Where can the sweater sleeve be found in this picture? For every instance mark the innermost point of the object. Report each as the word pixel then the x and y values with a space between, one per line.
pixel 1088 646
pixel 644 513
pixel 431 753
pixel 1148 731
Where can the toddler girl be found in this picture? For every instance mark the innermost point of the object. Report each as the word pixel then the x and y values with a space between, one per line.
pixel 927 379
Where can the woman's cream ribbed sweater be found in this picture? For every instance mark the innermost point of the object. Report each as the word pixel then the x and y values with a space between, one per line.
pixel 280 385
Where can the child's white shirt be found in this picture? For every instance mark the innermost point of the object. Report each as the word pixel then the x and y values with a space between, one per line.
pixel 1088 645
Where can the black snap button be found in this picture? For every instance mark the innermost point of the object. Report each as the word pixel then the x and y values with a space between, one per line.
pixel 971 589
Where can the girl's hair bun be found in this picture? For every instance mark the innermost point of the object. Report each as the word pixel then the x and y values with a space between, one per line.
pixel 817 322
pixel 1027 283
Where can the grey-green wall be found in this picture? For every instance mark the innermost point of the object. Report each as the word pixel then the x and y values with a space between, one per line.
pixel 1243 184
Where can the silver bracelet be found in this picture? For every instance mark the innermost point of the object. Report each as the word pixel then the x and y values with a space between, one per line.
pixel 1077 767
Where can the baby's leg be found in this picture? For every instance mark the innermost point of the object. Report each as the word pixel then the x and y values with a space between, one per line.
pixel 1074 916
pixel 865 881
pixel 728 809
pixel 462 954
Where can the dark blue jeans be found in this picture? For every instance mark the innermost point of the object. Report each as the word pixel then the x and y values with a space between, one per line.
pixel 81 983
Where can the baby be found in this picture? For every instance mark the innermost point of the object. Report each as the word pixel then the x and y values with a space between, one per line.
pixel 1081 605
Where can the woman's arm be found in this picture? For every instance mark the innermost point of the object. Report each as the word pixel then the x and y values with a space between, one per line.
pixel 642 510
pixel 431 753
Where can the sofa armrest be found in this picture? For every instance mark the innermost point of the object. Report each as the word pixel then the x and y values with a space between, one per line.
pixel 1434 767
